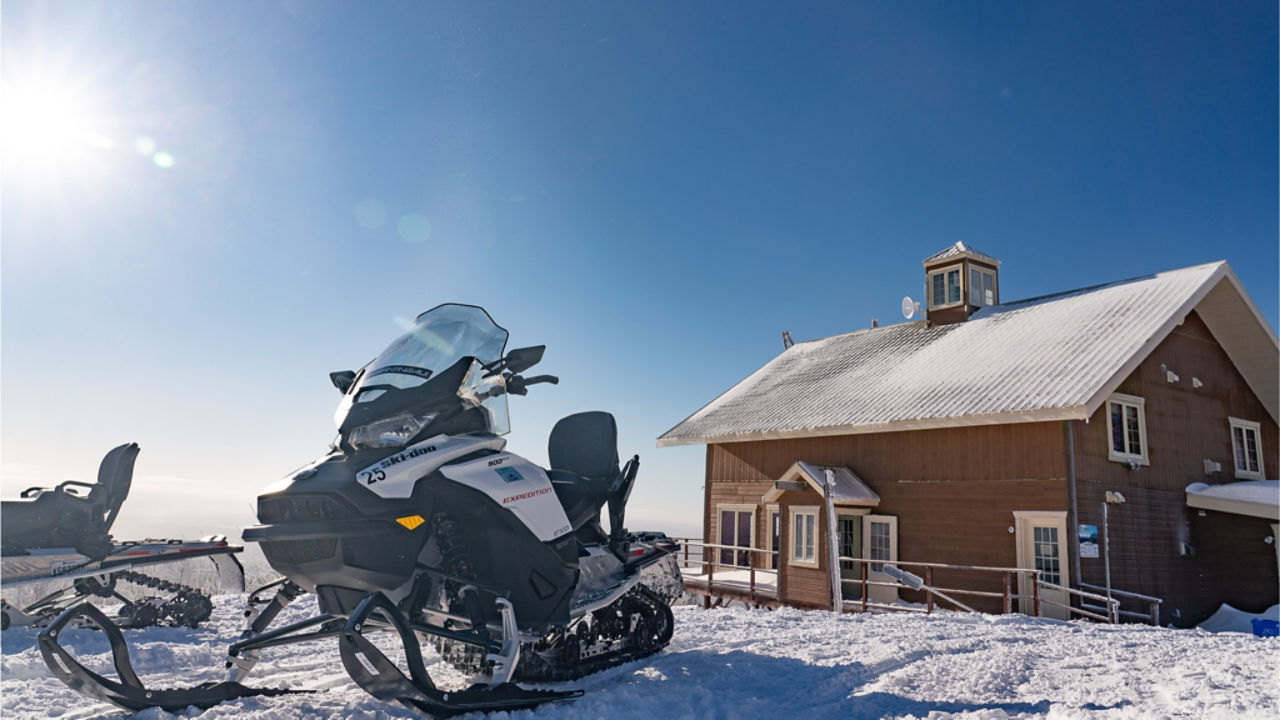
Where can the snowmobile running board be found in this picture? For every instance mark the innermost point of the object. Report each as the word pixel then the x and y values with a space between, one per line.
pixel 382 679
pixel 129 693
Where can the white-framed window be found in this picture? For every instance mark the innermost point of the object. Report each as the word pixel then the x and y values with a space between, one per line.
pixel 1246 447
pixel 944 287
pixel 1126 429
pixel 804 536
pixel 982 287
pixel 736 525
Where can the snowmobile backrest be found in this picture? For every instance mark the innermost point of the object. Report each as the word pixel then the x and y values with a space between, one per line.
pixel 115 475
pixel 585 443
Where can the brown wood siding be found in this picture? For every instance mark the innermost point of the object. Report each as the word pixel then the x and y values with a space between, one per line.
pixel 1030 451
pixel 803 586
pixel 954 492
pixel 1185 426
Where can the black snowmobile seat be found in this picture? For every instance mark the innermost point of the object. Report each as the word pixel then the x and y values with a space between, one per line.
pixel 63 517
pixel 583 450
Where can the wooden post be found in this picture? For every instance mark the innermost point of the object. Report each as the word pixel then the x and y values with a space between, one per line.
pixel 1035 593
pixel 928 591
pixel 1155 612
pixel 752 586
pixel 863 565
pixel 1008 598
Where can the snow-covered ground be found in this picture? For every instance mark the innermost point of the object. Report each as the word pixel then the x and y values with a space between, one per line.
pixel 738 663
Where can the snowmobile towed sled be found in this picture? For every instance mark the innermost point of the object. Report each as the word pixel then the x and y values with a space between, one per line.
pixel 63 533
pixel 418 523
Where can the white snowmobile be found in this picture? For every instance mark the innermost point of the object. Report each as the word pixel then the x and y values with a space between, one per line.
pixel 63 533
pixel 417 522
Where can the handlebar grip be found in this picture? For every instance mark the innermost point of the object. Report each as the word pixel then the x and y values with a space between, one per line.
pixel 542 379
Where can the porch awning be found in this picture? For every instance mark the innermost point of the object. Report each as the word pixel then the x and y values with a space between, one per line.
pixel 846 488
pixel 1255 498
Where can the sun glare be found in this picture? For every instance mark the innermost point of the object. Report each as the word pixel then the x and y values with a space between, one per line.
pixel 48 126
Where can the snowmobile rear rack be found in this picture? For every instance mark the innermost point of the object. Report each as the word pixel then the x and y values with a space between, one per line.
pixel 381 678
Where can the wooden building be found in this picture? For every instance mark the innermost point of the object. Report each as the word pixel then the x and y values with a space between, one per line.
pixel 993 434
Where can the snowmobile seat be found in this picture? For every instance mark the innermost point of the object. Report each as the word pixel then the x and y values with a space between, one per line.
pixel 63 517
pixel 583 449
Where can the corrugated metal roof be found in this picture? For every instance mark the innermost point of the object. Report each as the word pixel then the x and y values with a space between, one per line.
pixel 959 250
pixel 846 487
pixel 1038 359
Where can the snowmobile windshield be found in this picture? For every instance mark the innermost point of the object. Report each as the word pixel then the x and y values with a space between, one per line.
pixel 436 340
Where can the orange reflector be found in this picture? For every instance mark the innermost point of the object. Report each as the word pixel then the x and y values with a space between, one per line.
pixel 411 522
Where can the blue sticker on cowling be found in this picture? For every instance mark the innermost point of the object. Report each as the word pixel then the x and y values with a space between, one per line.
pixel 510 474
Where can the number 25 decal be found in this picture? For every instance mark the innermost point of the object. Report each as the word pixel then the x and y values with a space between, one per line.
pixel 370 477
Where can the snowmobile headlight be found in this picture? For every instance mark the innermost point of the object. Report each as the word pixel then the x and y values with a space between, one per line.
pixel 394 431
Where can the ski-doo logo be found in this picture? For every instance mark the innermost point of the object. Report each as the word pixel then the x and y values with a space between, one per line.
pixel 525 496
pixel 377 473
pixel 510 474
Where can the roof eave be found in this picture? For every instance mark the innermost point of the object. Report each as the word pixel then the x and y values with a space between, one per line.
pixel 1005 418
pixel 1222 272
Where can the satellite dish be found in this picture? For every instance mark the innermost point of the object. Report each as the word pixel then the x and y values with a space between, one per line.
pixel 908 307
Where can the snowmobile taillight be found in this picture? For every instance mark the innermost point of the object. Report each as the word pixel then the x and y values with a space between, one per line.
pixel 389 433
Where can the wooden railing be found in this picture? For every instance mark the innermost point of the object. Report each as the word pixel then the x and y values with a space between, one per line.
pixel 704 559
pixel 1009 577
pixel 706 556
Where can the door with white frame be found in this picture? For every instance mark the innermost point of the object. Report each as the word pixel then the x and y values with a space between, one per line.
pixel 736 525
pixel 1041 537
pixel 849 544
pixel 880 545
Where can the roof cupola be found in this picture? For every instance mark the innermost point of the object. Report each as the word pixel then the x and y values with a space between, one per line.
pixel 958 281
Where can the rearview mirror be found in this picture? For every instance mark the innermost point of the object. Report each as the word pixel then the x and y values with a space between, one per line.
pixel 521 359
pixel 343 380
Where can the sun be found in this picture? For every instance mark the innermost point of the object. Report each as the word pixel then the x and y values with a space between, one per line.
pixel 49 126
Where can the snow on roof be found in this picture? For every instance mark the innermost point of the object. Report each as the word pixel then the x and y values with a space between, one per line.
pixel 1047 358
pixel 1255 498
pixel 961 250
pixel 846 487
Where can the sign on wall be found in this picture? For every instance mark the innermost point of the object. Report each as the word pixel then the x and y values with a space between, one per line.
pixel 1088 541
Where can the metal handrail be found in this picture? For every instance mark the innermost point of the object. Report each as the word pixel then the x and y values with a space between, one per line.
pixel 1122 593
pixel 1109 610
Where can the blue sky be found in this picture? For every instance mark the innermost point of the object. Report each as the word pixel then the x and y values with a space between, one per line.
pixel 256 191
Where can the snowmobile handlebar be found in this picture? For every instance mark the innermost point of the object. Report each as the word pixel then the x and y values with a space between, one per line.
pixel 518 385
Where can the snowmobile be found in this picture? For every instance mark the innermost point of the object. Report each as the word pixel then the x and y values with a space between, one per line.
pixel 417 522
pixel 64 533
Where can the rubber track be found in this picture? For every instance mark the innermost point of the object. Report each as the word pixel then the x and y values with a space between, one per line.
pixel 658 610
pixel 188 607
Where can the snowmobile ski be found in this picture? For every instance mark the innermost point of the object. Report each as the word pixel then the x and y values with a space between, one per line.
pixel 128 692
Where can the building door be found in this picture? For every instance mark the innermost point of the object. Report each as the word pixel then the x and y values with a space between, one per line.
pixel 880 545
pixel 775 525
pixel 1042 545
pixel 735 529
pixel 850 545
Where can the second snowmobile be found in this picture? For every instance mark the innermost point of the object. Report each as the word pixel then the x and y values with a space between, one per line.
pixel 419 522
pixel 63 534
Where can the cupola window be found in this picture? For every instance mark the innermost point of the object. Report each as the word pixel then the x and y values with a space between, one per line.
pixel 982 287
pixel 945 286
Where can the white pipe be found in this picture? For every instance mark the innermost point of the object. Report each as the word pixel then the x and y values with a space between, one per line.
pixel 833 551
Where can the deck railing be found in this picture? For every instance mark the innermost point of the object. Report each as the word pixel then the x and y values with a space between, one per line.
pixel 705 557
pixel 704 560
pixel 1150 605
